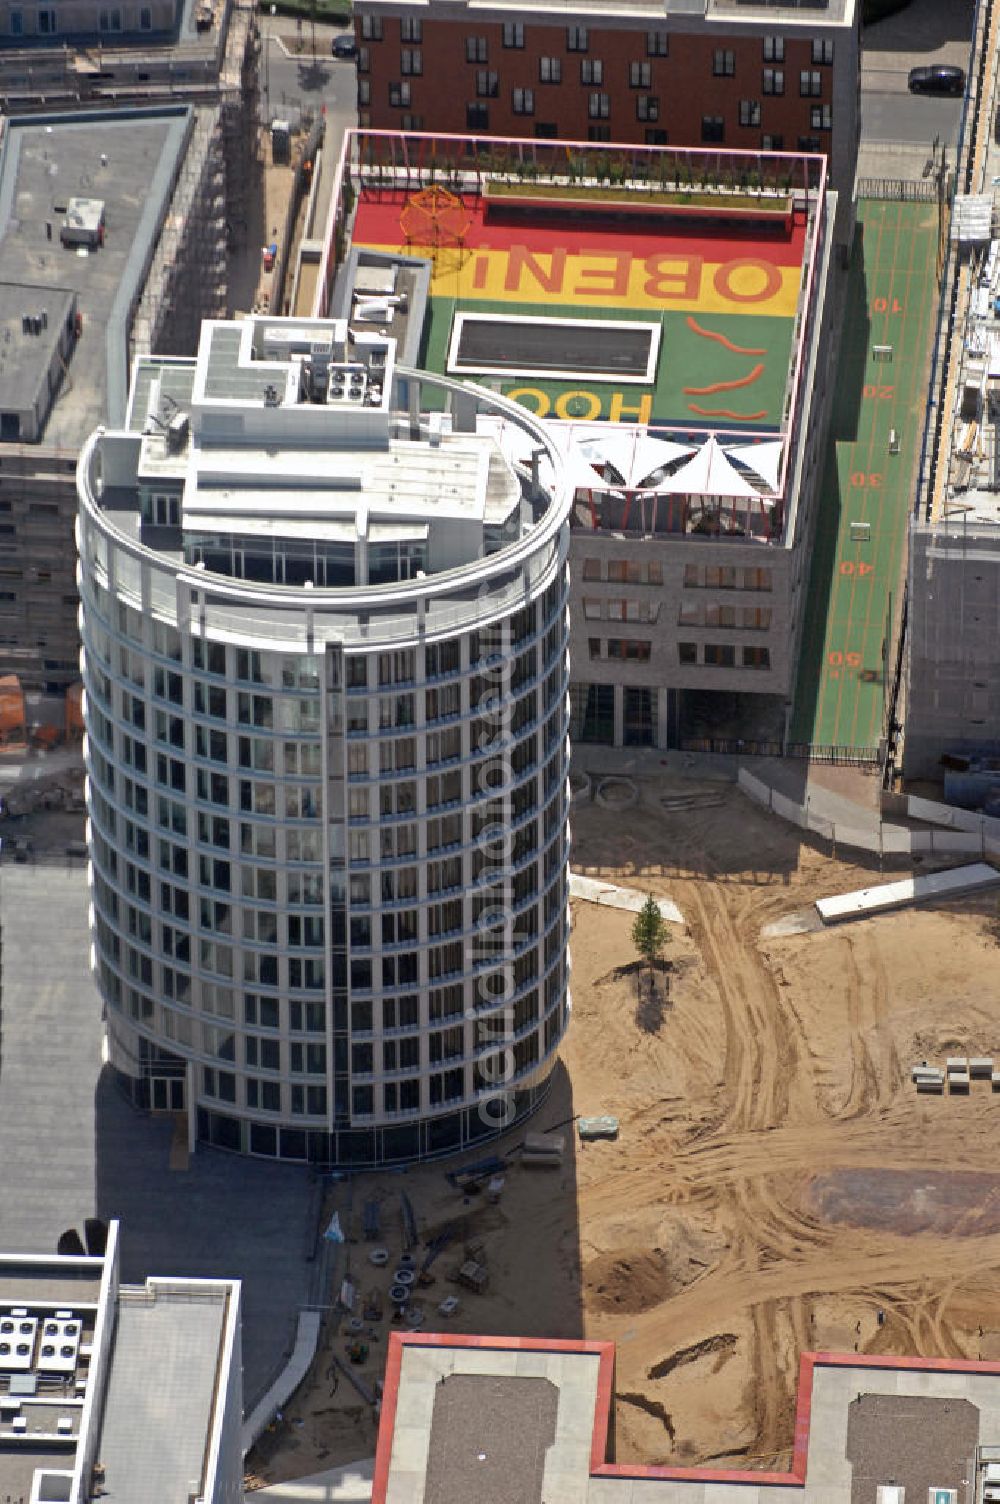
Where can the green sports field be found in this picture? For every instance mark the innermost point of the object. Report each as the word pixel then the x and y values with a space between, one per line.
pixel 867 492
pixel 689 366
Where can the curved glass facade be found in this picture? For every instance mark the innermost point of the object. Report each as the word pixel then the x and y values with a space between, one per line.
pixel 329 837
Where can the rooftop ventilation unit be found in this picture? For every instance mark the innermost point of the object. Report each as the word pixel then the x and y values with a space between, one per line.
pixel 59 1347
pixel 17 1347
pixel 280 342
pixel 84 222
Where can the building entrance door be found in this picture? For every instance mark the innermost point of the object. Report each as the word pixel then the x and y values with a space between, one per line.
pixel 167 1093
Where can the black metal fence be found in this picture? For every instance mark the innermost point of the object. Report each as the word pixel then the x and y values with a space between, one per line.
pixel 845 757
pixel 899 190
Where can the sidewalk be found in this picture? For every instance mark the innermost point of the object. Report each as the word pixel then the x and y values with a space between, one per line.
pixel 340 1485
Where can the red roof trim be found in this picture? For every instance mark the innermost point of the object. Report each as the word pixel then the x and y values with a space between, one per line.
pixel 605 1353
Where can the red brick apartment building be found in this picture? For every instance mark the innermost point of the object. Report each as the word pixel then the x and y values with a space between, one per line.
pixel 743 73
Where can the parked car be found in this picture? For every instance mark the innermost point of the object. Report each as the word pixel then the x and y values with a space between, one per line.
pixel 344 45
pixel 939 78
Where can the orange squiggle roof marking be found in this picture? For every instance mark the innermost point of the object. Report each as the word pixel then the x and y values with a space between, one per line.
pixel 693 324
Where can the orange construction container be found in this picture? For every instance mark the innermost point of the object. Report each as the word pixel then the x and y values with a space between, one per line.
pixel 74 712
pixel 12 718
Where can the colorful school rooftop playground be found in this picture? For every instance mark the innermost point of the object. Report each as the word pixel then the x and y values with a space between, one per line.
pixel 654 288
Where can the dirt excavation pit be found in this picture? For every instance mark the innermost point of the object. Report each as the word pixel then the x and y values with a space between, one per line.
pixel 640 1278
pixel 777 1184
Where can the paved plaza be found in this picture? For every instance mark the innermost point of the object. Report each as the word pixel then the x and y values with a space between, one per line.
pixel 72 1146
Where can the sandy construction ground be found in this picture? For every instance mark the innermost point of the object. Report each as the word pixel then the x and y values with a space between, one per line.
pixel 777 1183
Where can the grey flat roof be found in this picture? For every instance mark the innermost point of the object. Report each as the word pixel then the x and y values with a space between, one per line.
pixel 161 1394
pixel 489 1438
pixel 42 1286
pixel 45 161
pixel 812 14
pixel 25 358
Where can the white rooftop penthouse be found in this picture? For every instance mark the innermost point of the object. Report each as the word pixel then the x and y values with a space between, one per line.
pixel 115 1391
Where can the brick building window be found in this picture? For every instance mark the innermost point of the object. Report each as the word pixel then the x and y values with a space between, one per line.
pixel 656 138
pixel 477 117
pixel 657 44
pixel 399 96
pixel 476 50
pixel 523 101
pixel 411 61
pixel 749 112
pixel 410 30
pixel 723 62
pixel 630 648
pixel 371 28
pixel 364 59
pixel 774 49
pixel 591 70
pixel 412 123
pixel 713 128
pixel 772 143
pixel 647 107
pixel 810 143
pixel 599 106
pixel 821 117
pixel 810 83
pixel 487 83
pixel 364 92
pixel 550 70
pixel 774 80
pixel 822 50
pixel 576 39
pixel 513 34
pixel 598 133
pixel 640 75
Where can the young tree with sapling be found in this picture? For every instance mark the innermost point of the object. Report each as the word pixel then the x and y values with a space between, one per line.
pixel 649 932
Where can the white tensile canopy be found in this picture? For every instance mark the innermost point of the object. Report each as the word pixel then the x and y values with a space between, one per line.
pixel 709 473
pixel 634 455
pixel 763 459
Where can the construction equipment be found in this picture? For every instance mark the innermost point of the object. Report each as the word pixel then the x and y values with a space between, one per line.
pixel 473 1177
pixel 410 1238
pixel 473 1276
pixel 543 1151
